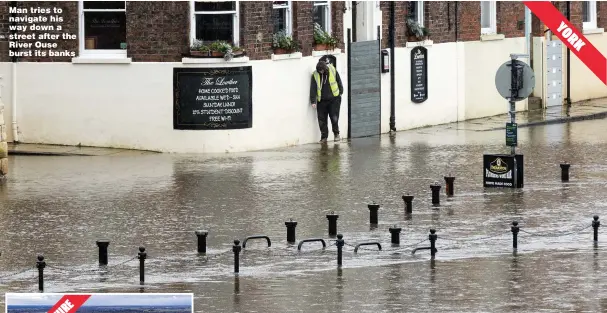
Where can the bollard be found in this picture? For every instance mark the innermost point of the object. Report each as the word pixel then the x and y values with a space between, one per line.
pixel 339 243
pixel 395 235
pixel 596 224
pixel 408 204
pixel 202 240
pixel 291 230
pixel 103 244
pixel 565 171
pixel 236 249
pixel 514 229
pixel 373 213
pixel 332 223
pixel 142 255
pixel 433 236
pixel 435 193
pixel 449 185
pixel 40 265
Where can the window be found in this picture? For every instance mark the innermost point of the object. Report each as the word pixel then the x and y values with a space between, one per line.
pixel 102 28
pixel 281 16
pixel 416 11
pixel 322 15
pixel 214 20
pixel 488 20
pixel 589 14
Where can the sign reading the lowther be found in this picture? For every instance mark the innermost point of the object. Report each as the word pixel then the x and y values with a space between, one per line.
pixel 212 98
pixel 500 170
pixel 419 74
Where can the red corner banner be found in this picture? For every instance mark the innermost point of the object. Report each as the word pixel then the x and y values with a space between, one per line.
pixel 570 36
pixel 69 304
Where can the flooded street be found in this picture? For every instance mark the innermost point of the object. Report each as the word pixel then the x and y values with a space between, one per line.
pixel 59 206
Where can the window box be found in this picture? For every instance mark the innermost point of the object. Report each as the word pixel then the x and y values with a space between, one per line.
pixel 323 40
pixel 213 54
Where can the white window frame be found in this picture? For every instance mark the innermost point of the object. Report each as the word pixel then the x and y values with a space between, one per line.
pixel 492 29
pixel 235 16
pixel 109 53
pixel 592 14
pixel 420 13
pixel 327 5
pixel 288 15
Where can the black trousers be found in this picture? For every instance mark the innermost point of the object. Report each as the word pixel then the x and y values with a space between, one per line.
pixel 328 108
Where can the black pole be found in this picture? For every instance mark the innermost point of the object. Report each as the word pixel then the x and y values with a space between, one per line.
pixel 596 224
pixel 291 224
pixel 142 255
pixel 408 204
pixel 449 185
pixel 514 229
pixel 565 171
pixel 456 21
pixel 394 235
pixel 432 237
pixel 349 52
pixel 373 208
pixel 568 60
pixel 103 257
pixel 392 75
pixel 340 244
pixel 40 264
pixel 332 223
pixel 236 248
pixel 435 193
pixel 202 240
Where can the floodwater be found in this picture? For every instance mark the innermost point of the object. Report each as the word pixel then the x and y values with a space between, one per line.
pixel 60 206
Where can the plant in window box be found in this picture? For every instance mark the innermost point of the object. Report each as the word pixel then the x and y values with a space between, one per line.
pixel 199 49
pixel 283 43
pixel 331 42
pixel 220 48
pixel 321 38
pixel 415 32
pixel 426 32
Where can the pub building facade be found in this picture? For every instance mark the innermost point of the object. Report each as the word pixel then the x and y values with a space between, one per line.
pixel 230 76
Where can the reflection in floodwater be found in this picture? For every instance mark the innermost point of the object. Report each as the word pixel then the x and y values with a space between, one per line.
pixel 60 206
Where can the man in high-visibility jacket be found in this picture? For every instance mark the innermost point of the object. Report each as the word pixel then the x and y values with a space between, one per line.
pixel 325 96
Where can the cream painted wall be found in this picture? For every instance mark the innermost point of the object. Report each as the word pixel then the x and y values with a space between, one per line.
pixel 130 106
pixel 584 84
pixel 6 92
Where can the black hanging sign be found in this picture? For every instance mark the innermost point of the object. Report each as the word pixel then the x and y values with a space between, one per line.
pixel 419 74
pixel 213 98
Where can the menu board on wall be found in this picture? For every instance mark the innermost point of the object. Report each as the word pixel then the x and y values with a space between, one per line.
pixel 213 98
pixel 419 74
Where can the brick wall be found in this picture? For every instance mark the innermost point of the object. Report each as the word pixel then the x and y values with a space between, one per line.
pixel 469 21
pixel 511 19
pixel 575 19
pixel 400 14
pixel 337 22
pixel 164 38
pixel 439 18
pixel 69 25
pixel 601 8
pixel 256 29
pixel 303 25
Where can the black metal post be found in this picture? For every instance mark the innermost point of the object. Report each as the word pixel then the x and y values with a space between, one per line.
pixel 514 229
pixel 103 255
pixel 392 67
pixel 40 265
pixel 332 223
pixel 291 224
pixel 340 244
pixel 596 224
pixel 449 185
pixel 236 248
pixel 568 60
pixel 435 193
pixel 349 61
pixel 373 208
pixel 408 204
pixel 565 170
pixel 142 255
pixel 395 235
pixel 201 235
pixel 432 237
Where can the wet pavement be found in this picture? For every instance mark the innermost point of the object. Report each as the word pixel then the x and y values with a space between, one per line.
pixel 60 206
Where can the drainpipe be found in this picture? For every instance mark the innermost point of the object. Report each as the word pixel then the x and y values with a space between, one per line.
pixel 14 89
pixel 392 74
pixel 456 20
pixel 528 38
pixel 568 60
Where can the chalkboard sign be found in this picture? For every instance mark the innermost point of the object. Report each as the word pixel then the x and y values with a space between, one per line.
pixel 213 98
pixel 500 170
pixel 419 74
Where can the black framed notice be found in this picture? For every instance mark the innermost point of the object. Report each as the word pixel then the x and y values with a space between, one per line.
pixel 213 98
pixel 419 74
pixel 501 170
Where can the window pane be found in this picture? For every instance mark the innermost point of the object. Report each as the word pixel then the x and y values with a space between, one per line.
pixel 320 16
pixel 485 14
pixel 279 16
pixel 280 3
pixel 413 10
pixel 586 11
pixel 210 27
pixel 103 5
pixel 215 6
pixel 104 30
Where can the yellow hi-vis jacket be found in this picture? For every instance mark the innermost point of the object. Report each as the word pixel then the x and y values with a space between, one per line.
pixel 332 82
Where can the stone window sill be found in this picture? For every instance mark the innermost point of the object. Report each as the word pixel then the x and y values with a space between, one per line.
pixel 492 37
pixel 413 44
pixel 290 56
pixel 101 60
pixel 244 59
pixel 594 31
pixel 325 52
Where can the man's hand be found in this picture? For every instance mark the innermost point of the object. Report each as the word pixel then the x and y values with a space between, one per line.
pixel 313 105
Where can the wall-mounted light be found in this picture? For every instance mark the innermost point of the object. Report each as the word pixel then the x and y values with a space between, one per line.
pixel 385 61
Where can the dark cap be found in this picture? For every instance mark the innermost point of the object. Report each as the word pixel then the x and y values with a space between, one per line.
pixel 321 66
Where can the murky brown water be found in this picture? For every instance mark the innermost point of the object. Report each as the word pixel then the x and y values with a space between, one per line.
pixel 60 206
